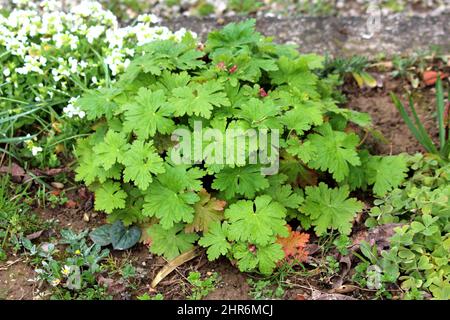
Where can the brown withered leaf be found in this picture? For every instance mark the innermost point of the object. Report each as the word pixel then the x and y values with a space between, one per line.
pixel 345 288
pixel 378 236
pixel 430 77
pixel 317 295
pixel 294 245
pixel 49 172
pixel 35 235
pixel 113 287
pixel 207 210
pixel 70 204
pixel 16 171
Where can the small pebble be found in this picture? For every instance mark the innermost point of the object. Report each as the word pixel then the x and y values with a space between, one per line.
pixel 57 185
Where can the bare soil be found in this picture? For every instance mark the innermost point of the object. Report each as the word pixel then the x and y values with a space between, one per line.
pixel 15 281
pixel 387 120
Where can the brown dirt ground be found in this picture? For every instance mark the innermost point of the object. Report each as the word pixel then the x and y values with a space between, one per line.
pixel 378 103
pixel 14 281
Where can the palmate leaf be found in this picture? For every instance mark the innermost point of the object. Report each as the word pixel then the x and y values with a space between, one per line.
pixel 284 195
pixel 386 173
pixel 168 205
pixel 262 257
pixel 99 103
pixel 330 208
pixel 244 181
pixel 331 150
pixel 141 161
pixel 303 150
pixel 89 169
pixel 181 55
pixel 164 55
pixel 302 117
pixel 260 114
pixel 216 240
pixel 132 212
pixel 170 242
pixel 257 222
pixel 112 149
pixel 150 113
pixel 181 177
pixel 109 196
pixel 171 196
pixel 234 36
pixel 198 99
pixel 298 174
pixel 297 74
pixel 246 67
pixel 170 80
pixel 358 177
pixel 207 210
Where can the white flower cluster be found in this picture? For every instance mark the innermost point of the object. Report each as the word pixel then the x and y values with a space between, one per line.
pixel 71 110
pixel 42 40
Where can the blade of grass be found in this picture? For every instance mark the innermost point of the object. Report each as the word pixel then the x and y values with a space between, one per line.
pixel 418 135
pixel 13 100
pixel 425 136
pixel 16 139
pixel 440 112
pixel 68 138
pixel 17 116
pixel 446 150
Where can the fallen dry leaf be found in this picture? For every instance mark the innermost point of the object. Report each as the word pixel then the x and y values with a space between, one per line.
pixel 430 77
pixel 173 264
pixel 57 185
pixel 114 287
pixel 294 245
pixel 34 235
pixel 317 295
pixel 346 288
pixel 16 171
pixel 70 204
pixel 300 297
pixel 208 209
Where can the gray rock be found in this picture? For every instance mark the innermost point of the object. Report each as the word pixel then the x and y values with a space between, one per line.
pixel 343 36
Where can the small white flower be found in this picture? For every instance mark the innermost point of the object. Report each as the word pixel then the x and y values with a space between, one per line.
pixel 94 32
pixel 55 282
pixel 65 270
pixel 148 18
pixel 71 110
pixel 6 72
pixel 35 150
pixel 73 63
pixel 83 64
